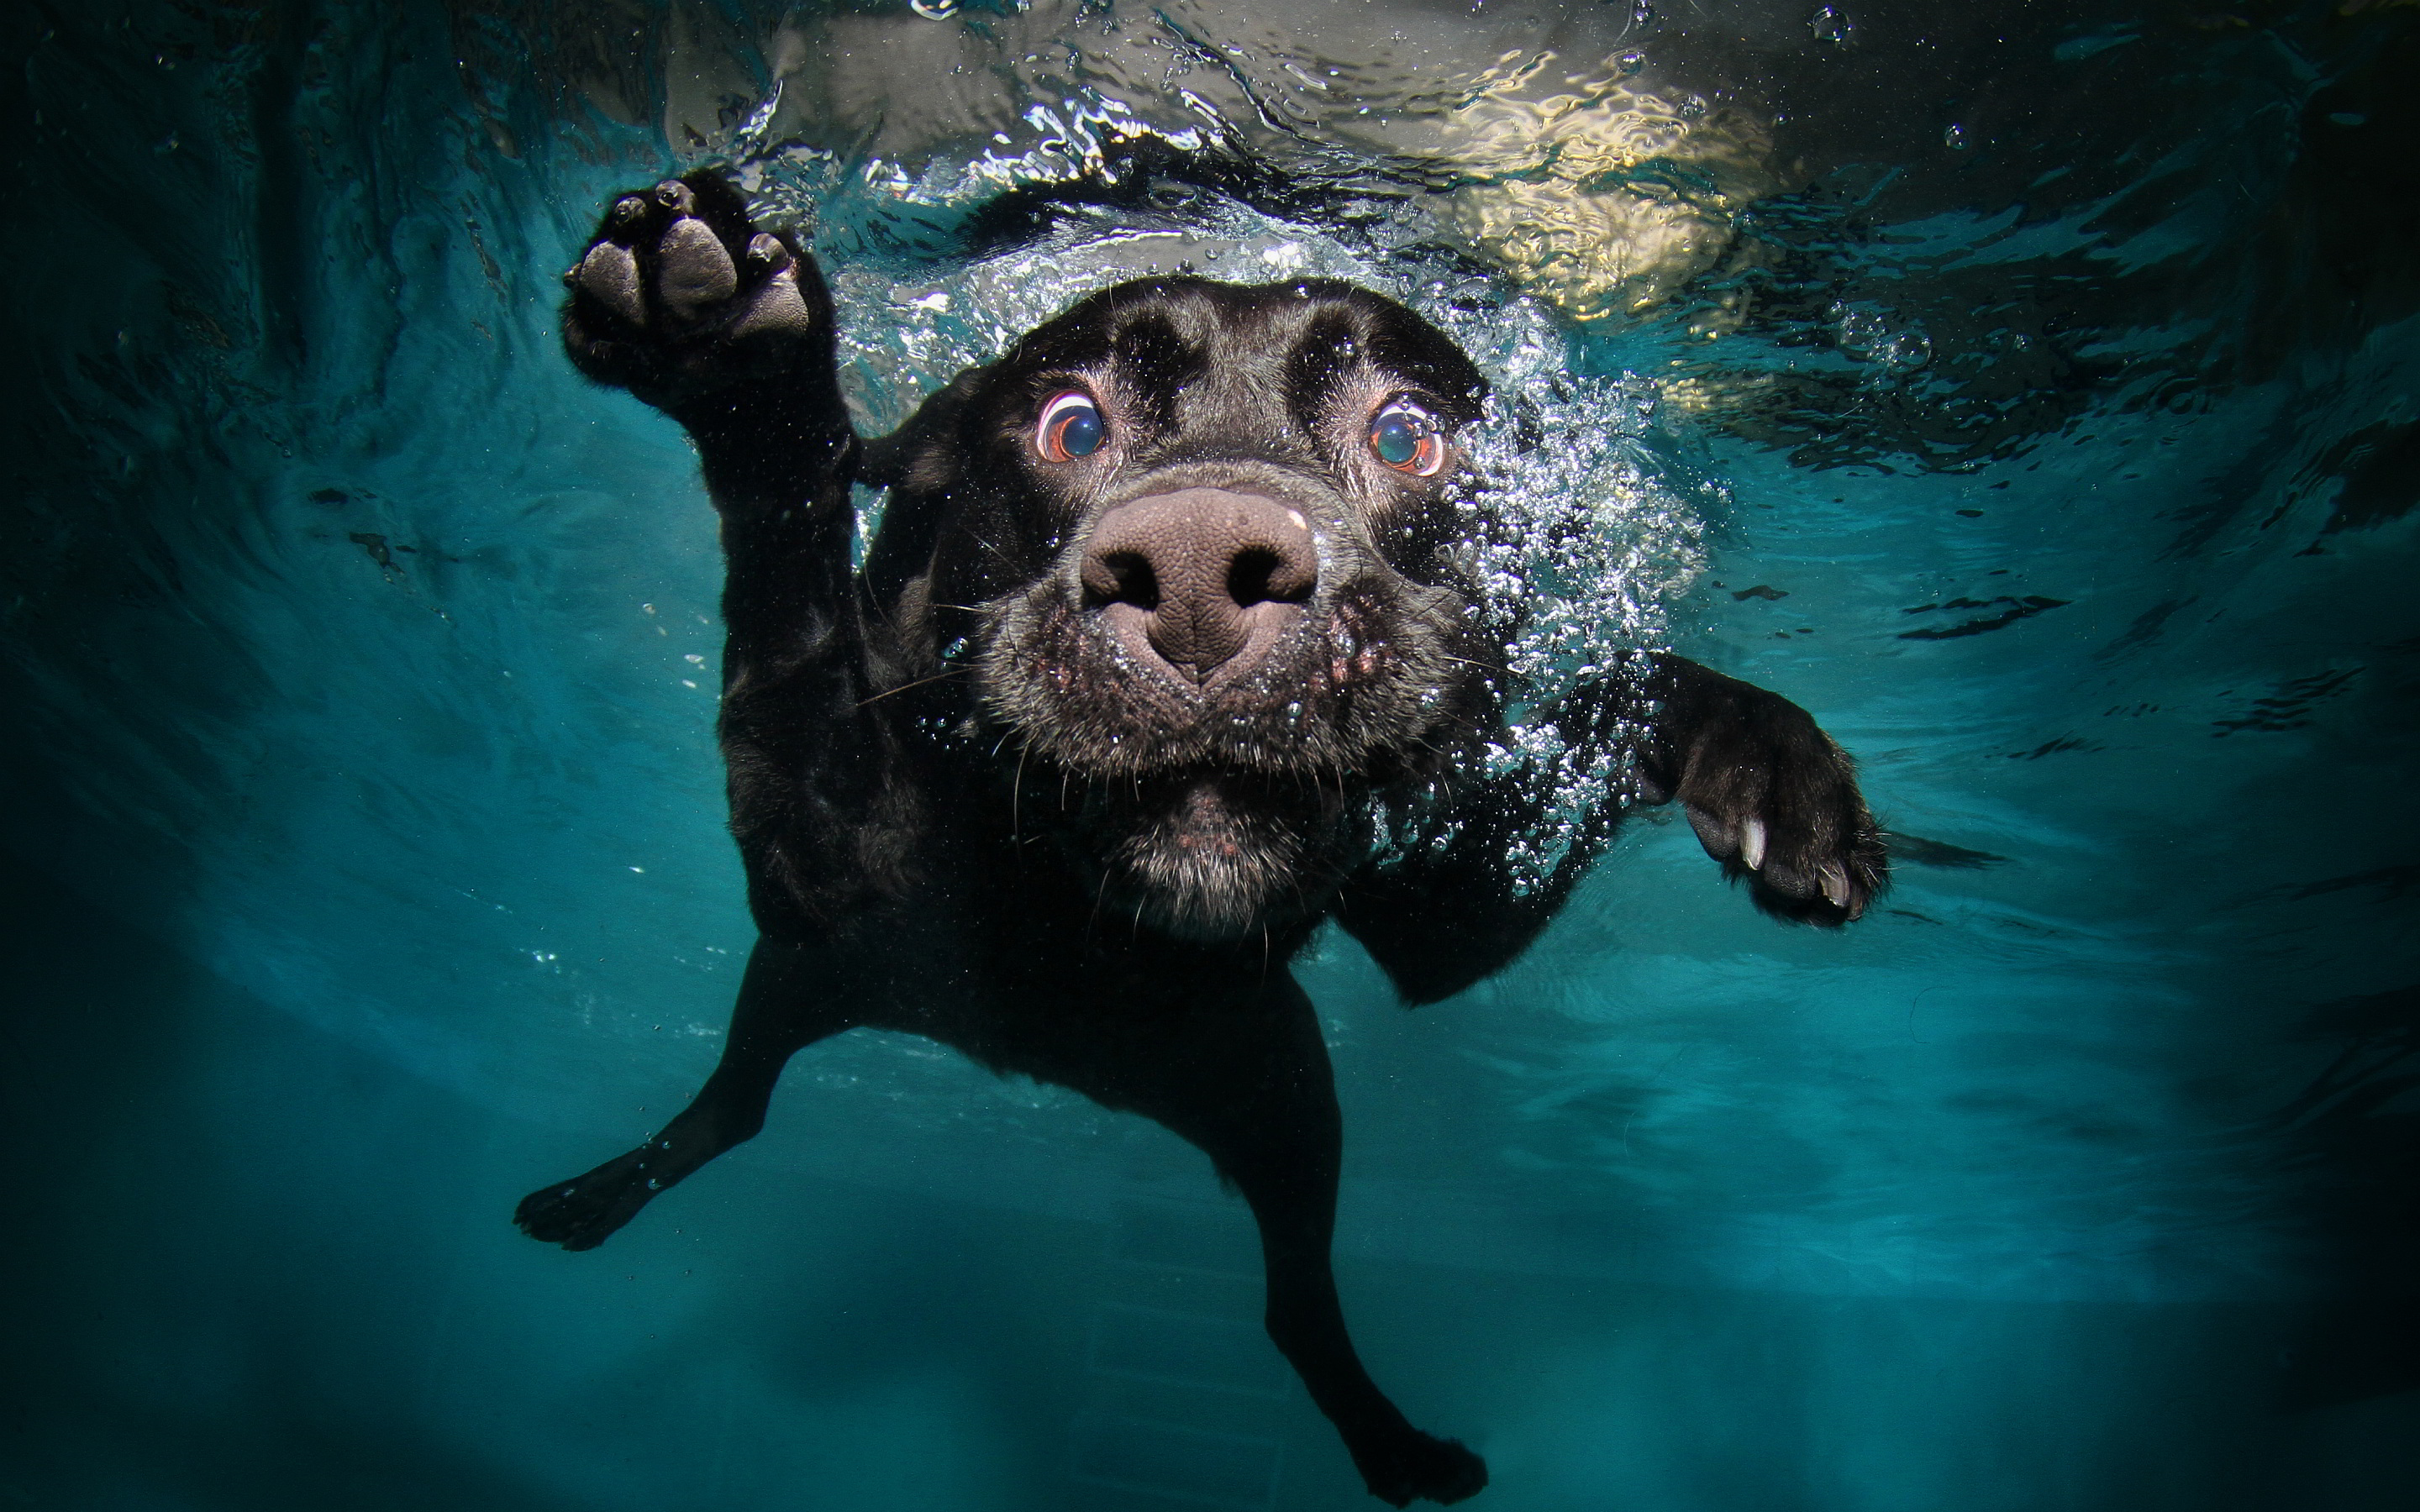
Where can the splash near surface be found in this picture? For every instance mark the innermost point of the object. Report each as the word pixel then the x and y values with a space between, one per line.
pixel 362 665
pixel 1593 523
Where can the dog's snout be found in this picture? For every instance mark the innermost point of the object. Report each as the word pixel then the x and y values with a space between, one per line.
pixel 1209 579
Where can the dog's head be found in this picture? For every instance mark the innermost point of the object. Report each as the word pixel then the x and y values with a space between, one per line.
pixel 1201 546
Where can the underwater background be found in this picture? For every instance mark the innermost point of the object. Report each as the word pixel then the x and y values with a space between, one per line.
pixel 2028 390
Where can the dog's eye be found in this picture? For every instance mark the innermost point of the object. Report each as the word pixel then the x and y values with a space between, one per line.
pixel 1409 439
pixel 1070 427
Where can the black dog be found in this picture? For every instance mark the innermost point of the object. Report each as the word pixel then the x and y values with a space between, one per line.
pixel 1167 650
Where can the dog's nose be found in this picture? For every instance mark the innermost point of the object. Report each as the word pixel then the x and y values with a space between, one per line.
pixel 1210 579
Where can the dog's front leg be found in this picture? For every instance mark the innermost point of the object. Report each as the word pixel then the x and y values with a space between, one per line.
pixel 729 330
pixel 779 1013
pixel 1769 793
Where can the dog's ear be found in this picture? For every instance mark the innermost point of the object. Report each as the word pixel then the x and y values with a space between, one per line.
pixel 881 460
pixel 923 455
pixel 920 464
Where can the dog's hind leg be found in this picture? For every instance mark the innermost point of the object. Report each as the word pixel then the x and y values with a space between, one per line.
pixel 779 1013
pixel 1281 1144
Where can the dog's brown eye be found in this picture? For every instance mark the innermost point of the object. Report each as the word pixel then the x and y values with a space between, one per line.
pixel 1070 427
pixel 1409 439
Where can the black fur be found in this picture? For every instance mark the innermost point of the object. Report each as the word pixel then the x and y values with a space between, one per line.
pixel 971 807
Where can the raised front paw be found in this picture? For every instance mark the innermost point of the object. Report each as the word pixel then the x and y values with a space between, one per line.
pixel 582 1212
pixel 680 296
pixel 1776 802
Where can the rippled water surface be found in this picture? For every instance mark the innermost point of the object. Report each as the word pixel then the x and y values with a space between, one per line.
pixel 2024 389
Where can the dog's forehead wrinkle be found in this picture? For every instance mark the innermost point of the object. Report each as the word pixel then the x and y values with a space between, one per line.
pixel 1243 399
pixel 1187 351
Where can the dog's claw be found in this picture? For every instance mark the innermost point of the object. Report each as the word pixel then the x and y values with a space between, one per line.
pixel 1774 800
pixel 675 196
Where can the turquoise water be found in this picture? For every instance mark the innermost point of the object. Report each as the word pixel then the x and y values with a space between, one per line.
pixel 2025 392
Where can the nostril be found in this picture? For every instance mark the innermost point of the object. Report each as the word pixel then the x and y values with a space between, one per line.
pixel 1249 575
pixel 1264 574
pixel 1121 578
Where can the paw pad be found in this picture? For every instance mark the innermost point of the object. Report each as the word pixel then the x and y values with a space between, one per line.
pixel 679 296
